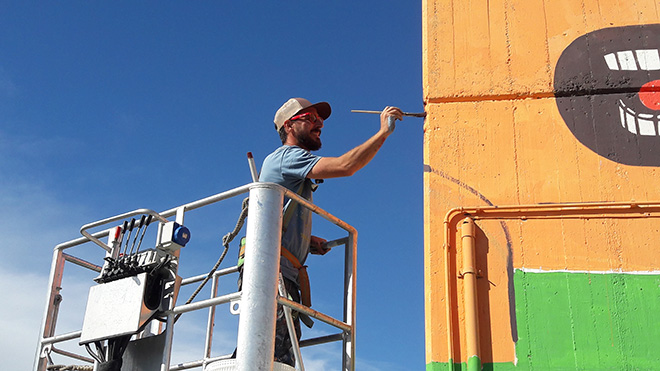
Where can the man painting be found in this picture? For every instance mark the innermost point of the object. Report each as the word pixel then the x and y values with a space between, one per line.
pixel 299 124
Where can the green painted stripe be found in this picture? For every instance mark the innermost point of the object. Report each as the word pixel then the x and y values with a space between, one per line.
pixel 443 366
pixel 587 321
pixel 474 364
pixel 582 321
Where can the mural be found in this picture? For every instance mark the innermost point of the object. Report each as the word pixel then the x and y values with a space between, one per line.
pixel 607 85
pixel 550 110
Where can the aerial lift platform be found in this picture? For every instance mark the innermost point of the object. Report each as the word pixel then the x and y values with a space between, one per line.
pixel 132 305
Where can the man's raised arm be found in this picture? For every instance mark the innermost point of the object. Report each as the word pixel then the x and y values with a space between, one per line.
pixel 355 159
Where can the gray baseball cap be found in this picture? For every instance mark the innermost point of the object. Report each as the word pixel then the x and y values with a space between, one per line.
pixel 295 105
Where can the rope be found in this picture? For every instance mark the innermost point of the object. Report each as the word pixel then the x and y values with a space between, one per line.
pixel 239 224
pixel 65 367
pixel 69 368
pixel 226 239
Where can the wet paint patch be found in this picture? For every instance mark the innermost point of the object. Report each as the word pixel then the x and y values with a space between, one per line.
pixel 582 321
pixel 587 320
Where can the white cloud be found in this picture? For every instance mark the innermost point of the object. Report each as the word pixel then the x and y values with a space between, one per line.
pixel 326 357
pixel 32 222
pixel 33 219
pixel 21 314
pixel 20 317
pixel 372 365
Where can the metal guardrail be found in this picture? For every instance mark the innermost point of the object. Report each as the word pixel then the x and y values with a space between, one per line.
pixel 264 218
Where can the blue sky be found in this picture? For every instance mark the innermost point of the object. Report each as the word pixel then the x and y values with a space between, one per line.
pixel 107 107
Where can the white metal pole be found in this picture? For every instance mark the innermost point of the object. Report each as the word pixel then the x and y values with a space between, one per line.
pixel 253 167
pixel 256 326
pixel 291 327
pixel 350 270
pixel 52 302
pixel 169 329
pixel 210 324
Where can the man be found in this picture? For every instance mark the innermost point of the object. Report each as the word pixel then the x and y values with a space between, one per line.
pixel 299 124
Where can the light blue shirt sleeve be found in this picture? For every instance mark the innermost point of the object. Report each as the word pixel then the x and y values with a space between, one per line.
pixel 288 166
pixel 297 163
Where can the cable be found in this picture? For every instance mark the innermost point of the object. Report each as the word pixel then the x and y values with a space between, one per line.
pixel 206 279
pixel 69 368
pixel 92 353
pixel 226 239
pixel 100 350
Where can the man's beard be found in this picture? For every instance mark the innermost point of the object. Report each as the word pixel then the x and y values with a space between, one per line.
pixel 305 140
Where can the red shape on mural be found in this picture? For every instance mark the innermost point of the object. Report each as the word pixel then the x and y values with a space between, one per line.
pixel 649 94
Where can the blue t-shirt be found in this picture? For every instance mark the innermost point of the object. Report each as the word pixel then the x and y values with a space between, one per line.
pixel 288 166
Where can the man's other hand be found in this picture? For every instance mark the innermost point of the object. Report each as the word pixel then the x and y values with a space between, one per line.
pixel 318 245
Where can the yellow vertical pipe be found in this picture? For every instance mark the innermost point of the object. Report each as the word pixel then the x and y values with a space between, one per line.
pixel 448 306
pixel 470 289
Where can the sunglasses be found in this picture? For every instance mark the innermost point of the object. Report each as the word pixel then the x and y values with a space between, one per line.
pixel 308 116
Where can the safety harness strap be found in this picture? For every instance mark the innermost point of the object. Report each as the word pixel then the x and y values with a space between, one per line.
pixel 303 277
pixel 290 208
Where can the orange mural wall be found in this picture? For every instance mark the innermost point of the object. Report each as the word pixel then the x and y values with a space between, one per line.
pixel 553 105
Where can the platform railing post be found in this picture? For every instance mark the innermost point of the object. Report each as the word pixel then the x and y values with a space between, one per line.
pixel 50 314
pixel 171 318
pixel 350 270
pixel 210 324
pixel 256 326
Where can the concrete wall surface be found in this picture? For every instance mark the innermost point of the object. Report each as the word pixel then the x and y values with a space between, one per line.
pixel 556 105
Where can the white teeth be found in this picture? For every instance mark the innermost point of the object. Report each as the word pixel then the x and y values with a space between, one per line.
pixel 646 127
pixel 633 60
pixel 627 60
pixel 643 123
pixel 649 60
pixel 610 59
